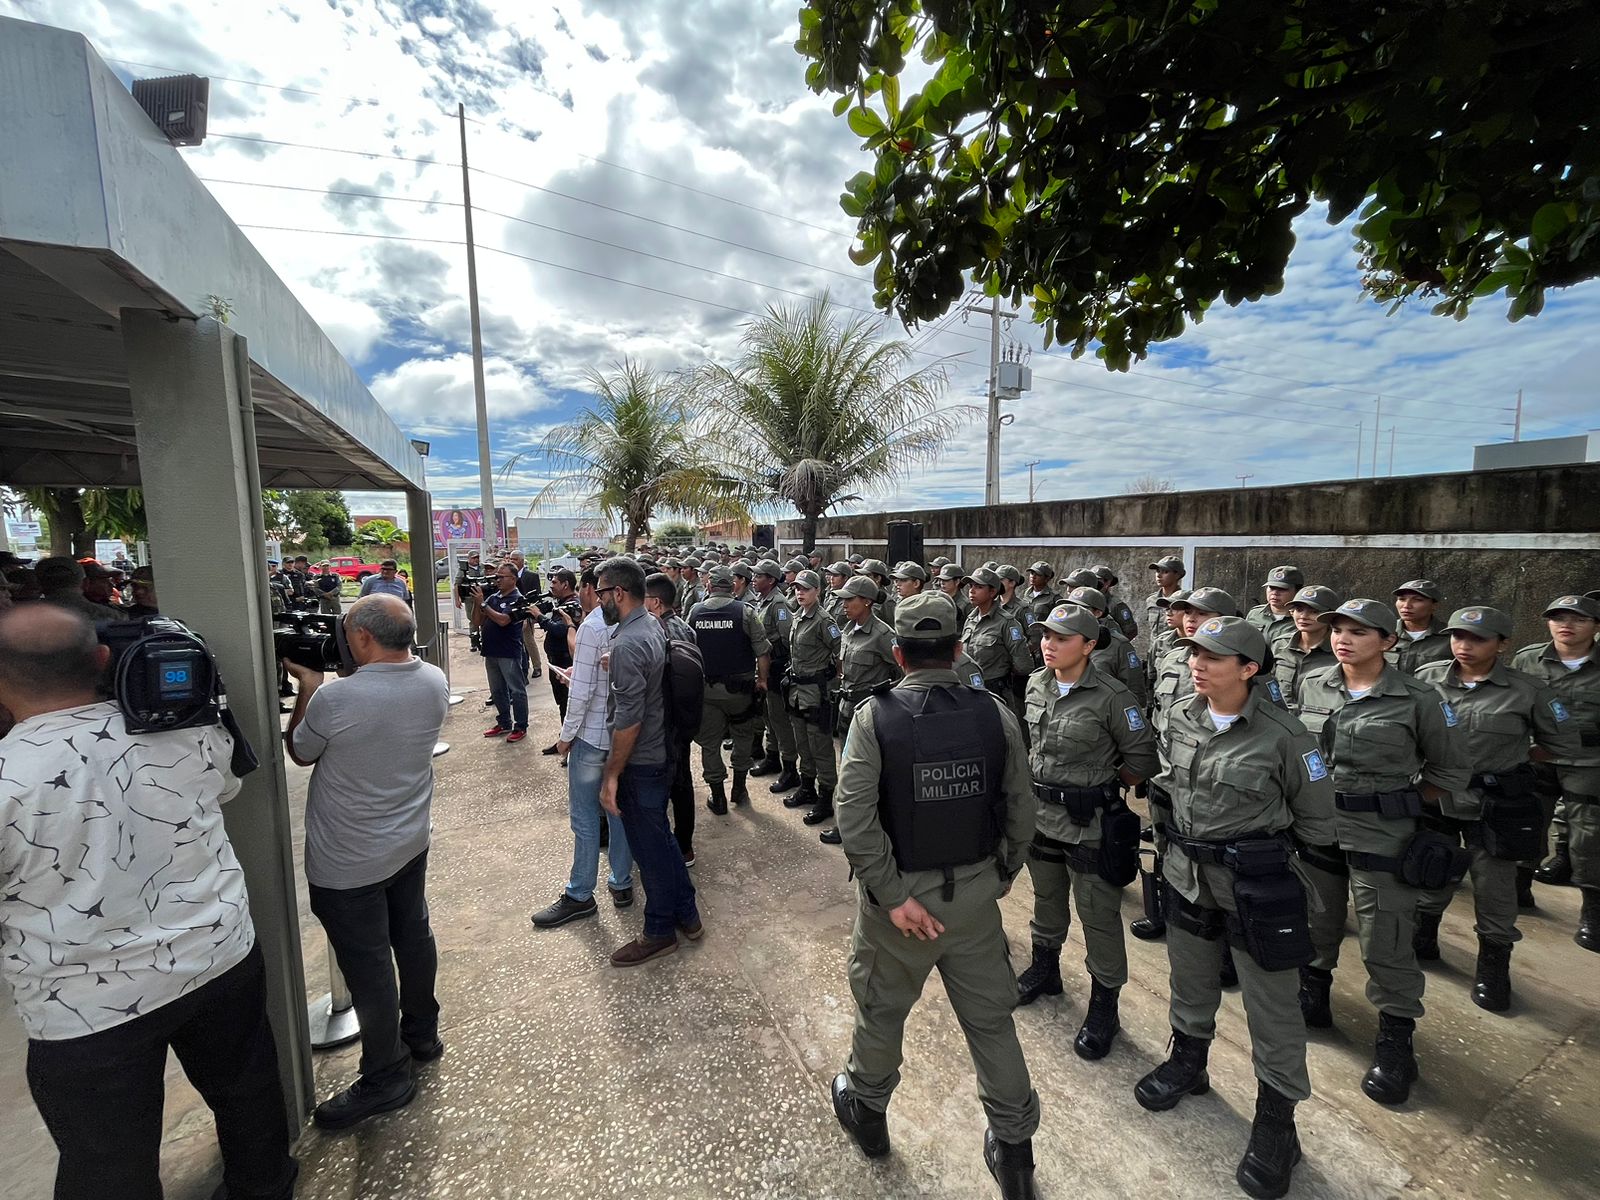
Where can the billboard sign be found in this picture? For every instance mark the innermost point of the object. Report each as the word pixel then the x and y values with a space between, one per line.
pixel 453 524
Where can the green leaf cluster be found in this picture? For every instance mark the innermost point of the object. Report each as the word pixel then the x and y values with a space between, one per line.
pixel 1124 164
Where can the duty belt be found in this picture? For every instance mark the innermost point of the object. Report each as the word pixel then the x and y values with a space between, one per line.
pixel 1073 795
pixel 730 681
pixel 1393 806
pixel 1516 782
pixel 815 677
pixel 857 695
pixel 1248 854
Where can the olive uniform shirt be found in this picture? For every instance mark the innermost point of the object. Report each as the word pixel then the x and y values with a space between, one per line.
pixel 813 650
pixel 1155 623
pixel 1081 738
pixel 1401 732
pixel 1271 626
pixel 1579 692
pixel 1291 663
pixel 997 644
pixel 856 798
pixel 1160 646
pixel 1503 715
pixel 775 616
pixel 1036 607
pixel 1410 653
pixel 1263 774
pixel 1120 660
pixel 866 655
pixel 1121 615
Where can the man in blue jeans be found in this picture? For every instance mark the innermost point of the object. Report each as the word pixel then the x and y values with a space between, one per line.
pixel 638 772
pixel 503 655
pixel 586 741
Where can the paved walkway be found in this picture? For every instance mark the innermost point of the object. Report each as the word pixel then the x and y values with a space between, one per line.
pixel 706 1074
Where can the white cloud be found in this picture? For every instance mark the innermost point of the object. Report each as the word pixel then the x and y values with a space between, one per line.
pixel 439 391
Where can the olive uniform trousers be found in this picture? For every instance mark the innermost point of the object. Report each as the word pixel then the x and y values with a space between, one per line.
pixel 726 713
pixel 1386 919
pixel 1099 908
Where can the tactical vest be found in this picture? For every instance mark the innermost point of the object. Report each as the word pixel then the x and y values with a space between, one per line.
pixel 939 791
pixel 724 645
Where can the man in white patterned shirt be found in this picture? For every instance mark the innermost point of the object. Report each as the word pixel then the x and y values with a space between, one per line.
pixel 125 926
pixel 586 741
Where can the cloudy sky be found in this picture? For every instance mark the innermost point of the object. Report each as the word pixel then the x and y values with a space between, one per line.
pixel 649 174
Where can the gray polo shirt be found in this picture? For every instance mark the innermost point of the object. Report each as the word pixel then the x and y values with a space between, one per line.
pixel 638 658
pixel 372 737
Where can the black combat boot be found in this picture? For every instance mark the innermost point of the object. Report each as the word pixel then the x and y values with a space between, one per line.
pixel 787 778
pixel 805 797
pixel 1011 1164
pixel 767 766
pixel 1043 976
pixel 1557 869
pixel 1588 935
pixel 822 811
pixel 1425 938
pixel 1394 1066
pixel 1316 1003
pixel 1491 989
pixel 1274 1147
pixel 869 1127
pixel 740 793
pixel 718 801
pixel 1183 1074
pixel 1525 888
pixel 1101 1025
pixel 1229 975
pixel 1146 929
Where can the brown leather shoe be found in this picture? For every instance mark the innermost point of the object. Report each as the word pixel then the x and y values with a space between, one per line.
pixel 693 932
pixel 642 949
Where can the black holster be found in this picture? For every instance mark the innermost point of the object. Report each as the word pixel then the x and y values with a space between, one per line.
pixel 1270 921
pixel 1513 825
pixel 1429 861
pixel 1184 914
pixel 1118 859
pixel 1152 884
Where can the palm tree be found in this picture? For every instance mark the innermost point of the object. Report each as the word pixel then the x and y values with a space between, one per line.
pixel 636 452
pixel 820 409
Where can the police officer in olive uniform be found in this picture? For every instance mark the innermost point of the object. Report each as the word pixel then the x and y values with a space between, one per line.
pixel 1504 713
pixel 834 580
pixel 734 647
pixel 1395 749
pixel 810 686
pixel 935 812
pixel 1423 637
pixel 1116 656
pixel 1272 618
pixel 909 579
pixel 1010 599
pixel 1569 665
pixel 1037 602
pixel 1246 781
pixel 1116 609
pixel 993 640
pixel 877 570
pixel 1165 639
pixel 775 615
pixel 1169 578
pixel 1305 647
pixel 952 581
pixel 1088 737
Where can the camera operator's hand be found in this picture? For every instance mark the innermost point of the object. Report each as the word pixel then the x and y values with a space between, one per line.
pixel 563 746
pixel 477 592
pixel 306 677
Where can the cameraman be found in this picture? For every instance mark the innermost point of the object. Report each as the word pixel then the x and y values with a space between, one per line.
pixel 110 965
pixel 560 636
pixel 528 585
pixel 470 574
pixel 370 737
pixel 503 610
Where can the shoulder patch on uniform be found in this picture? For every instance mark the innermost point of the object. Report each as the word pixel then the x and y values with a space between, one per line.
pixel 1135 718
pixel 1315 768
pixel 783 613
pixel 1016 633
pixel 977 682
pixel 833 631
pixel 1450 717
pixel 1275 690
pixel 1560 711
pixel 1133 660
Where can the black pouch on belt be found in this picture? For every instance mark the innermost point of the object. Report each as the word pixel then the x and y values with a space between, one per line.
pixel 1431 860
pixel 1513 826
pixel 1270 921
pixel 1118 861
pixel 1151 883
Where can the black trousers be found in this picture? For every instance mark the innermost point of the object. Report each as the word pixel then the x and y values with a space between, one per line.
pixel 100 1095
pixel 683 797
pixel 558 689
pixel 373 930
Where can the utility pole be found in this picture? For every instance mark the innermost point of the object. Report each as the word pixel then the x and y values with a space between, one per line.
pixel 1243 479
pixel 1391 449
pixel 1516 428
pixel 1361 435
pixel 491 528
pixel 1031 465
pixel 991 473
pixel 1376 421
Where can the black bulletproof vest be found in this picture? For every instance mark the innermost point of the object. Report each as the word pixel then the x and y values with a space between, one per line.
pixel 724 645
pixel 944 757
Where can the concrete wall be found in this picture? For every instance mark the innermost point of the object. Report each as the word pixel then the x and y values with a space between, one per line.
pixel 1539 452
pixel 1512 539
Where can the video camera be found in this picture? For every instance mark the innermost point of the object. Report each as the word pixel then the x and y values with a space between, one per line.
pixel 465 582
pixel 312 640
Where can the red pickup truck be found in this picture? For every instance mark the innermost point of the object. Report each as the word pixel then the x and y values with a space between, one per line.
pixel 352 568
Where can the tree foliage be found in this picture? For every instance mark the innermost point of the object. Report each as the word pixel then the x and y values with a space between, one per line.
pixel 1124 163
pixel 380 531
pixel 817 409
pixel 1147 484
pixel 310 519
pixel 636 452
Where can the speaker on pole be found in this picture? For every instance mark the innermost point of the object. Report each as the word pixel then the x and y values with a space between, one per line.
pixel 905 542
pixel 765 537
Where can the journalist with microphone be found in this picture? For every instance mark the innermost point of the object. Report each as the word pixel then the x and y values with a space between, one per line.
pixel 369 737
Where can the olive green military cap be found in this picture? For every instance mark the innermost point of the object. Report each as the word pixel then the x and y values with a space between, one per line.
pixel 911 570
pixel 1422 587
pixel 1228 635
pixel 693 562
pixel 807 579
pixel 675 564
pixel 939 562
pixel 1041 568
pixel 951 571
pixel 1584 606
pixel 841 568
pixel 984 577
pixel 1088 597
pixel 1208 600
pixel 1485 622
pixel 858 585
pixel 1170 563
pixel 1007 571
pixel 719 579
pixel 874 566
pixel 770 569
pixel 992 564
pixel 1286 577
pixel 925 617
pixel 1317 598
pixel 743 570
pixel 1105 574
pixel 1072 618
pixel 1082 577
pixel 855 560
pixel 1374 614
pixel 1169 601
pixel 795 564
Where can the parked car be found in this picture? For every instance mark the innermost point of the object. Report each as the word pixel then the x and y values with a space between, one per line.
pixel 352 568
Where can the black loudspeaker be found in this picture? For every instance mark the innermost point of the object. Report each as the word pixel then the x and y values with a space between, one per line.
pixel 905 542
pixel 765 537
